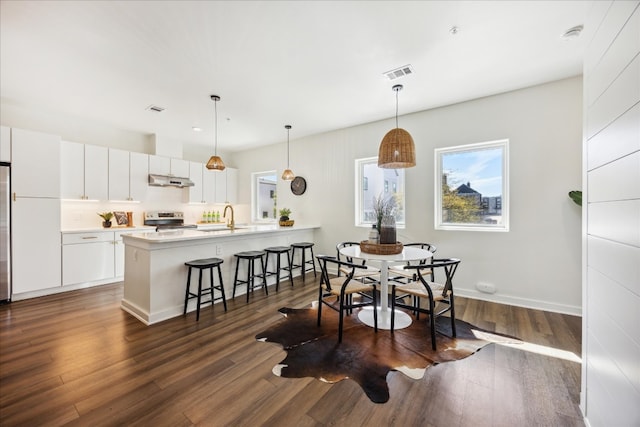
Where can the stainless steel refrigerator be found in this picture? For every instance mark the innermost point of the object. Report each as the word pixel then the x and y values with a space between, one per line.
pixel 5 233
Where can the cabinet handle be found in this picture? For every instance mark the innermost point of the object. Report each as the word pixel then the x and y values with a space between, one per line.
pixel 89 237
pixel 14 196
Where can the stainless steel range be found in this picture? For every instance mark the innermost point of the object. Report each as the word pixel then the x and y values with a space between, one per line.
pixel 166 220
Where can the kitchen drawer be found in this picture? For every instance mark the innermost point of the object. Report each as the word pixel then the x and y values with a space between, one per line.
pixel 77 238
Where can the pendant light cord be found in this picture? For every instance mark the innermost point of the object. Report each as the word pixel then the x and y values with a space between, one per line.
pixel 397 90
pixel 215 149
pixel 287 148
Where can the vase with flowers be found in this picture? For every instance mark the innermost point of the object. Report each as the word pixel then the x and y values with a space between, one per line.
pixel 384 209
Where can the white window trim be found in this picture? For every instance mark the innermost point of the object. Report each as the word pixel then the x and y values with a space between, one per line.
pixel 359 203
pixel 255 218
pixel 438 152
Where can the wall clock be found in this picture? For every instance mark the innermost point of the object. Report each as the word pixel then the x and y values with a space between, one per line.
pixel 298 185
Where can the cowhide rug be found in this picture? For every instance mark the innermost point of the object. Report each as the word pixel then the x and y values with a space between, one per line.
pixel 365 356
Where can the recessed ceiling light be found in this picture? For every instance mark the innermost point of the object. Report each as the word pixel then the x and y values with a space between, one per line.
pixel 454 30
pixel 196 129
pixel 573 32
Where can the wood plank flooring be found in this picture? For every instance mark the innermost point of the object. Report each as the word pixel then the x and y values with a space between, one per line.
pixel 78 359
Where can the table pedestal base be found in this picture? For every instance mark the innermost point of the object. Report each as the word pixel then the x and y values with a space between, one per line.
pixel 402 320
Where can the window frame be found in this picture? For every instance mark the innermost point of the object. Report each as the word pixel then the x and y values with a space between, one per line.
pixel 504 198
pixel 255 196
pixel 363 183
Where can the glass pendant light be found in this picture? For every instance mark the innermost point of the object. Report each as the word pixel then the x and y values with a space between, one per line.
pixel 287 175
pixel 397 149
pixel 215 162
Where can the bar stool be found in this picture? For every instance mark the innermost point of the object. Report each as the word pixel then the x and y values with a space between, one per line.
pixel 250 257
pixel 278 251
pixel 302 247
pixel 203 264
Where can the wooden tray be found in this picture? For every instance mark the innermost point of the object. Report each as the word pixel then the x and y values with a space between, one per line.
pixel 378 249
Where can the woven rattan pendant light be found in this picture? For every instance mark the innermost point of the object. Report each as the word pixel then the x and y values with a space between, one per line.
pixel 397 149
pixel 215 162
pixel 287 175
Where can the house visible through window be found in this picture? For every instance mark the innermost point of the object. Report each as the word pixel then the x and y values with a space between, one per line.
pixel 372 181
pixel 472 187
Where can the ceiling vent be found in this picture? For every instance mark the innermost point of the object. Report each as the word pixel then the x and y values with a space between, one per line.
pixel 405 70
pixel 155 108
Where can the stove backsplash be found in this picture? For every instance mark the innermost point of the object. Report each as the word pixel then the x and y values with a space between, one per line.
pixel 84 214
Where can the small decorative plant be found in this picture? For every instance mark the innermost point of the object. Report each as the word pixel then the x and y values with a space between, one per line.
pixel 383 208
pixel 106 216
pixel 576 196
pixel 284 214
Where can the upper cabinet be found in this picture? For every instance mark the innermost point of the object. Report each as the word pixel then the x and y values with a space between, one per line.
pixel 160 165
pixel 128 175
pixel 84 171
pixel 203 190
pixel 5 144
pixel 226 186
pixel 35 164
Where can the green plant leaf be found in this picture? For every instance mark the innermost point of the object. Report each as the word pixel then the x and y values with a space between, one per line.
pixel 576 196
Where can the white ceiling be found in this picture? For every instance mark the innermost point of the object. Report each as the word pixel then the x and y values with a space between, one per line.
pixel 317 65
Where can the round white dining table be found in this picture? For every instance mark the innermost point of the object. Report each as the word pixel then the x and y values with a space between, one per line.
pixel 409 253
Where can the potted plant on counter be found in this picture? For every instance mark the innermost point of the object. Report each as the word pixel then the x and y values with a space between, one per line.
pixel 106 216
pixel 284 217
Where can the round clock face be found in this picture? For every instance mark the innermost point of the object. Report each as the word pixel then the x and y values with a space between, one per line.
pixel 298 185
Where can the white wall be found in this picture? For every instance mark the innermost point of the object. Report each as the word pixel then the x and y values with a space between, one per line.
pixel 611 296
pixel 536 264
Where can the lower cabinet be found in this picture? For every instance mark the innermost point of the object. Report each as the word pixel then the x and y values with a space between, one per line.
pixel 87 257
pixel 93 257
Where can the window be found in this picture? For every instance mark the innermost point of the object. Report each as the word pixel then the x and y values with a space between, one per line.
pixel 471 187
pixel 372 181
pixel 264 196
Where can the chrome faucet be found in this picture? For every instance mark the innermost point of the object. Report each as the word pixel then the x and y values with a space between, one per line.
pixel 230 224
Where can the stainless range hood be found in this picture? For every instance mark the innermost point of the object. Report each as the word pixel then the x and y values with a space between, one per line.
pixel 169 181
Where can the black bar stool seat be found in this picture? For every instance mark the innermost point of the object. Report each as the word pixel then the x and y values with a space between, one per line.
pixel 302 247
pixel 251 257
pixel 278 251
pixel 204 264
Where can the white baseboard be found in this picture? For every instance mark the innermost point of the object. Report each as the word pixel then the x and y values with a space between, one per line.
pixel 521 302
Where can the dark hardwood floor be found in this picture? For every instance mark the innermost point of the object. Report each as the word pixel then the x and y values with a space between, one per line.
pixel 78 359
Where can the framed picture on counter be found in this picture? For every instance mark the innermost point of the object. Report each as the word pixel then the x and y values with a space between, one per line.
pixel 121 218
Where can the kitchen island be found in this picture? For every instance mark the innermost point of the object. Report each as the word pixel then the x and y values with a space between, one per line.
pixel 155 276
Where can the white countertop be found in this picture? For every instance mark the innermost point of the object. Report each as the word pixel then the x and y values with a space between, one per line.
pixel 134 229
pixel 191 234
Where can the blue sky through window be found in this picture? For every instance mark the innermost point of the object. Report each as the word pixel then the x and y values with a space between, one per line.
pixel 482 168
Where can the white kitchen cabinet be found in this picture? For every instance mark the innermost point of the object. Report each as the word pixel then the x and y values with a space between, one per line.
pixel 5 144
pixel 118 174
pixel 35 164
pixel 195 192
pixel 180 168
pixel 138 176
pixel 226 186
pixel 232 185
pixel 87 257
pixel 221 186
pixel 159 165
pixel 203 190
pixel 128 175
pixel 35 243
pixel 72 170
pixel 84 171
pixel 96 172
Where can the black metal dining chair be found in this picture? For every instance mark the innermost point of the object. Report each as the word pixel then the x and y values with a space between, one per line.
pixel 432 291
pixel 344 289
pixel 370 273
